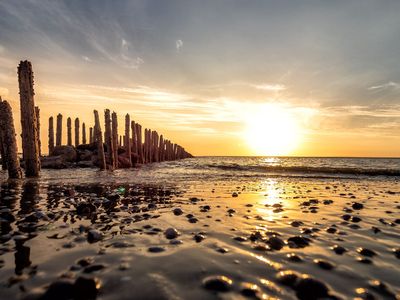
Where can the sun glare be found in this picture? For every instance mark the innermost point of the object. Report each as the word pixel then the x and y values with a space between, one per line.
pixel 272 130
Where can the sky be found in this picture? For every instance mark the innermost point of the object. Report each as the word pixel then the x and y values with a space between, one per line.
pixel 200 72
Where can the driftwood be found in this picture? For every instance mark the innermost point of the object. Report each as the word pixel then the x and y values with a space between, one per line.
pixel 99 139
pixel 7 134
pixel 30 144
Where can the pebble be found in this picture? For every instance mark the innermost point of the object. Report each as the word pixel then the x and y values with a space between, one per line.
pixel 171 233
pixel 339 249
pixel 288 277
pixel 294 257
pixel 298 242
pixel 240 239
pixel 275 243
pixel 251 290
pixel 308 288
pixel 323 264
pixel 199 237
pixel 218 283
pixel 94 236
pixel 357 205
pixel 366 252
pixel 156 249
pixel 396 252
pixel 382 288
pixel 94 268
pixel 85 288
pixel 177 211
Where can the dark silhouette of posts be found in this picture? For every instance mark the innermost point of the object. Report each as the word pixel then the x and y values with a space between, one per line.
pixel 37 113
pixel 134 137
pixel 161 149
pixel 91 135
pixel 59 130
pixel 114 137
pixel 69 131
pixel 3 156
pixel 127 142
pixel 30 145
pixel 99 139
pixel 51 135
pixel 76 132
pixel 139 142
pixel 84 133
pixel 7 133
pixel 108 139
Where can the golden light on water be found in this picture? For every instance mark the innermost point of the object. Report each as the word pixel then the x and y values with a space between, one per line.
pixel 272 130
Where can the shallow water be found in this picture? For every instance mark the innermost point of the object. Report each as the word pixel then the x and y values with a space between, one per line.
pixel 44 232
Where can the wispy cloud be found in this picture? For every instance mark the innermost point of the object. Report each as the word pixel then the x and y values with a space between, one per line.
pixel 270 87
pixel 178 45
pixel 385 86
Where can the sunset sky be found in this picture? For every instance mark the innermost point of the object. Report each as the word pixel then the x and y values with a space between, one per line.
pixel 220 77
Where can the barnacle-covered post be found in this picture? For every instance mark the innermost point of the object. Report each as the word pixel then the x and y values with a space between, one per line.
pixel 99 139
pixel 30 143
pixel 7 134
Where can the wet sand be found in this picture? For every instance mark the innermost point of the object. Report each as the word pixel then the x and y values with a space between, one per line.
pixel 257 238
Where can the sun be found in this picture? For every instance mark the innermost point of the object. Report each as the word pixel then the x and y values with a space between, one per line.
pixel 272 130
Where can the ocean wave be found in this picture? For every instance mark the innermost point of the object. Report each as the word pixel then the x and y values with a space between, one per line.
pixel 305 170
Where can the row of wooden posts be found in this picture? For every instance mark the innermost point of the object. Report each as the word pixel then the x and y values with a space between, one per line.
pixel 151 147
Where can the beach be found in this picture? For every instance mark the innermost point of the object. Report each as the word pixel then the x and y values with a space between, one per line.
pixel 174 230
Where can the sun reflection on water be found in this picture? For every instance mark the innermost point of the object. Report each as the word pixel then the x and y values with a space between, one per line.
pixel 271 195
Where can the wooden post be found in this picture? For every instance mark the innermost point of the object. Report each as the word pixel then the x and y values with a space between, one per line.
pixel 91 135
pixel 83 133
pixel 37 113
pixel 51 135
pixel 108 139
pixel 161 149
pixel 59 130
pixel 120 141
pixel 99 139
pixel 114 137
pixel 76 132
pixel 134 138
pixel 7 133
pixel 69 131
pixel 127 143
pixel 139 142
pixel 2 150
pixel 30 145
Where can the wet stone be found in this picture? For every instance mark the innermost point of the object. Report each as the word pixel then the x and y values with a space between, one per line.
pixel 382 288
pixel 156 249
pixel 199 237
pixel 338 249
pixel 177 211
pixel 240 239
pixel 86 288
pixel 396 252
pixel 366 252
pixel 60 289
pixel 308 288
pixel 298 242
pixel 218 283
pixel 275 243
pixel 323 264
pixel 94 268
pixel 94 236
pixel 171 233
pixel 364 260
pixel 357 205
pixel 288 277
pixel 251 290
pixel 294 257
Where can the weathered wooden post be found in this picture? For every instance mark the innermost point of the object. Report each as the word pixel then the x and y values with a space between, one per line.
pixel 114 137
pixel 134 138
pixel 139 142
pixel 91 135
pixel 59 130
pixel 108 139
pixel 161 149
pixel 2 150
pixel 76 132
pixel 83 133
pixel 51 135
pixel 69 131
pixel 99 139
pixel 37 113
pixel 127 142
pixel 30 145
pixel 7 133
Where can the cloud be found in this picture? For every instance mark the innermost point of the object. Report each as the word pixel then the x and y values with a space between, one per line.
pixel 178 45
pixel 271 87
pixel 388 85
pixel 86 58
